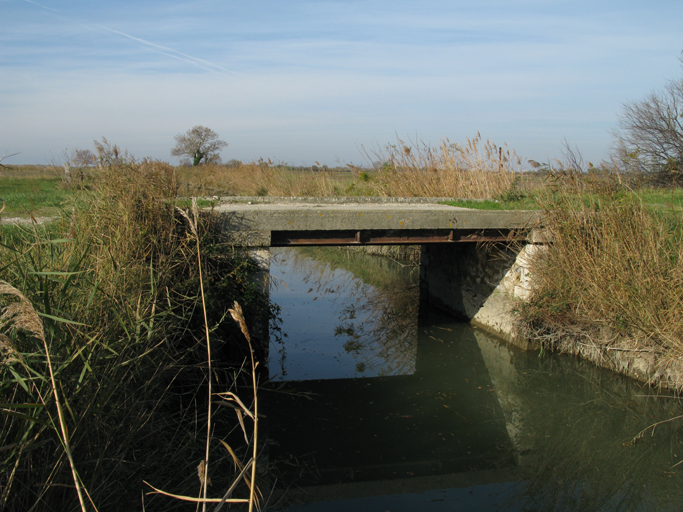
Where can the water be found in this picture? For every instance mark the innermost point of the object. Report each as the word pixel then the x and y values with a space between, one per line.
pixel 380 404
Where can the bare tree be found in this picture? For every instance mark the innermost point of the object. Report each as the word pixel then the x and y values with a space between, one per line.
pixel 650 134
pixel 5 155
pixel 80 158
pixel 199 143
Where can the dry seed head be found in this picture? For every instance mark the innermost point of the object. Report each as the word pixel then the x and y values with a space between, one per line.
pixel 238 316
pixel 193 226
pixel 202 474
pixel 20 315
pixel 6 350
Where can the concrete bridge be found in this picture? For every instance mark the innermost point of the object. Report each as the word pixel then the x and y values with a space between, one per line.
pixel 278 222
pixel 472 262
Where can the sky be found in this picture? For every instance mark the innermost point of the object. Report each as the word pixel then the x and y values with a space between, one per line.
pixel 301 82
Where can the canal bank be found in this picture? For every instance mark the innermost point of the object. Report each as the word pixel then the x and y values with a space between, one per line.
pixel 495 287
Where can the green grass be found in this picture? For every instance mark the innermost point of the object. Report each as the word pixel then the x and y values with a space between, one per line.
pixel 491 204
pixel 38 196
pixel 201 203
pixel 664 200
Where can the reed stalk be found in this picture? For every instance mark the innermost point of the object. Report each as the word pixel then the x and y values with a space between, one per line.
pixel 238 316
pixel 204 468
pixel 119 282
pixel 22 315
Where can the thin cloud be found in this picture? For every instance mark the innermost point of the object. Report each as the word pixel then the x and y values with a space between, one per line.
pixel 40 5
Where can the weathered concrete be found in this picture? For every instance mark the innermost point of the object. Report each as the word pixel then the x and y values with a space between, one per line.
pixel 255 224
pixel 480 283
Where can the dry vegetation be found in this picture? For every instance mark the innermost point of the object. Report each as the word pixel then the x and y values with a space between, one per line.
pixel 612 280
pixel 262 179
pixel 103 356
pixel 474 170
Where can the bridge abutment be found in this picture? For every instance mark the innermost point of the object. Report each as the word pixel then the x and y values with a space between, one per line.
pixel 479 283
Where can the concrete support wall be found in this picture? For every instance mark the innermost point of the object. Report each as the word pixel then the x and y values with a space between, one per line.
pixel 479 283
pixel 260 329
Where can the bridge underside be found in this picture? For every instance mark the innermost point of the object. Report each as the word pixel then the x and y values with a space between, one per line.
pixel 390 237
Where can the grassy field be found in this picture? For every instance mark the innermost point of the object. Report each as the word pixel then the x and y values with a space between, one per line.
pixel 42 191
pixel 33 190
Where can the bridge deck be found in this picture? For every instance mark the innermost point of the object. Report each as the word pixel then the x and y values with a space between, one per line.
pixel 280 223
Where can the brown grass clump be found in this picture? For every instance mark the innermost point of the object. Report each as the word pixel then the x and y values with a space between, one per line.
pixel 263 179
pixel 612 279
pixel 476 170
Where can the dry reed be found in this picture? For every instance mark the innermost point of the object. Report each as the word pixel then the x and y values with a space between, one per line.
pixel 21 315
pixel 262 179
pixel 475 170
pixel 116 284
pixel 614 271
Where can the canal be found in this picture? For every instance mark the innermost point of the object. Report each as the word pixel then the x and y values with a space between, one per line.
pixel 378 403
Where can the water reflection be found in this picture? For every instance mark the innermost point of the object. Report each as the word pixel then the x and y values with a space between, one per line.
pixel 338 324
pixel 577 423
pixel 462 422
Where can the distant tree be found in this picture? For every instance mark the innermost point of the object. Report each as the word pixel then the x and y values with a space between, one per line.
pixel 650 135
pixel 83 158
pixel 199 143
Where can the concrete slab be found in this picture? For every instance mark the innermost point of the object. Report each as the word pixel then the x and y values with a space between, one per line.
pixel 351 215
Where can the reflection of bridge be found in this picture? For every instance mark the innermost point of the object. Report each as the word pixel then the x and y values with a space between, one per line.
pixel 471 280
pixel 442 427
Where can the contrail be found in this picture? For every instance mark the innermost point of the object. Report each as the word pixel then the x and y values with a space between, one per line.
pixel 168 52
pixel 39 5
pixel 174 53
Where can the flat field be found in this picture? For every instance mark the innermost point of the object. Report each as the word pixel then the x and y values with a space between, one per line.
pixel 41 191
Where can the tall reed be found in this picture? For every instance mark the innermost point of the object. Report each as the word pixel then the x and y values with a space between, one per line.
pixel 115 283
pixel 474 170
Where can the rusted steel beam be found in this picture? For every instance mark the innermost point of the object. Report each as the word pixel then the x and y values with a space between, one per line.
pixel 392 237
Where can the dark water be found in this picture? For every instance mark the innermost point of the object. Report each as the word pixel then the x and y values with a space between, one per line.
pixel 378 404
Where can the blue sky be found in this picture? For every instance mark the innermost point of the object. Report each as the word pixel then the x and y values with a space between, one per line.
pixel 305 81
